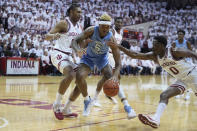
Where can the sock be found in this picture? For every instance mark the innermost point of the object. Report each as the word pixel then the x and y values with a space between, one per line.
pixel 67 105
pixel 125 102
pixel 160 109
pixel 96 95
pixel 121 94
pixel 58 98
pixel 86 98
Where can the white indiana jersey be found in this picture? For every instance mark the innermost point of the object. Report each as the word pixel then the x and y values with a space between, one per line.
pixel 118 36
pixel 64 42
pixel 177 68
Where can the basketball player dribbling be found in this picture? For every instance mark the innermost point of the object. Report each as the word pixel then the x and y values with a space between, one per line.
pixel 117 32
pixel 62 59
pixel 172 61
pixel 97 54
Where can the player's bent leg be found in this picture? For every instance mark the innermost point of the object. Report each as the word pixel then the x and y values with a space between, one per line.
pixel 73 96
pixel 81 74
pixel 98 90
pixel 107 73
pixel 154 120
pixel 173 90
pixel 128 109
pixel 69 75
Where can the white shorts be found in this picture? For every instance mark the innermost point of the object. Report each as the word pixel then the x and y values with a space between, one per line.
pixel 111 60
pixel 189 82
pixel 61 60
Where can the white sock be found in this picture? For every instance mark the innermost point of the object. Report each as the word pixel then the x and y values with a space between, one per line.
pixel 125 102
pixel 86 98
pixel 121 93
pixel 58 98
pixel 96 95
pixel 67 105
pixel 160 109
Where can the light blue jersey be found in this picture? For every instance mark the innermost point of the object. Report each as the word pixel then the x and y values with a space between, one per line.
pixel 183 45
pixel 97 51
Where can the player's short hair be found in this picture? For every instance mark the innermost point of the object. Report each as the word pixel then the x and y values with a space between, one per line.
pixel 72 7
pixel 118 18
pixel 182 31
pixel 161 39
pixel 105 17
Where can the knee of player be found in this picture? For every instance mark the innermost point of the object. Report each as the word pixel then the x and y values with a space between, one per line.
pixel 79 76
pixel 164 96
pixel 107 75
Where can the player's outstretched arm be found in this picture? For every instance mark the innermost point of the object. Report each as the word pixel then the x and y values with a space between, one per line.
pixel 138 55
pixel 133 54
pixel 81 37
pixel 62 26
pixel 183 53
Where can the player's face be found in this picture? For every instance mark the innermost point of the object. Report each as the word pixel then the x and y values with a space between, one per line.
pixel 157 47
pixel 180 36
pixel 103 30
pixel 76 14
pixel 118 23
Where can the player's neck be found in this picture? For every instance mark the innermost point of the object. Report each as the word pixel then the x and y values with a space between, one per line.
pixel 101 35
pixel 73 22
pixel 180 41
pixel 161 55
pixel 117 30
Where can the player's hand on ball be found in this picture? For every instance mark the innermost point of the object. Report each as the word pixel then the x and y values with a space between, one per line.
pixel 114 79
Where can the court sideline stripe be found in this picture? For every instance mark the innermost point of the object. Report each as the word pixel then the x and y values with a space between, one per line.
pixel 5 122
pixel 94 123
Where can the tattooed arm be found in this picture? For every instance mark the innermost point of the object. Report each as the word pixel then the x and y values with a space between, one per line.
pixel 83 36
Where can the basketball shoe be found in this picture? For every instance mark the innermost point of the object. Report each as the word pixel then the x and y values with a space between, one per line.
pixel 149 120
pixel 130 112
pixel 57 111
pixel 96 103
pixel 87 106
pixel 68 114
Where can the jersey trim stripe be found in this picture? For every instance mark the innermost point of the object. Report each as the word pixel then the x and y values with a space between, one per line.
pixel 67 53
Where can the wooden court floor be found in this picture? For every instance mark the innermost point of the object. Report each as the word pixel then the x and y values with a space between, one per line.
pixel 25 105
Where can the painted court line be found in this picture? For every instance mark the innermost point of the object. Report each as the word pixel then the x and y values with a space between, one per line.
pixel 88 124
pixel 5 122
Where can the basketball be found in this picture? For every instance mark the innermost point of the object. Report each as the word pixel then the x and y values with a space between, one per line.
pixel 111 88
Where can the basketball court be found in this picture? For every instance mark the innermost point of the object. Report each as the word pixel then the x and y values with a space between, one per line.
pixel 26 101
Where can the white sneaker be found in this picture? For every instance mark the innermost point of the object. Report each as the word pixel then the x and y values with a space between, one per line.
pixel 149 120
pixel 96 103
pixel 187 97
pixel 67 113
pixel 130 112
pixel 112 99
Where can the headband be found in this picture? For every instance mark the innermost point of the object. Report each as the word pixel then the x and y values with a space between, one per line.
pixel 104 22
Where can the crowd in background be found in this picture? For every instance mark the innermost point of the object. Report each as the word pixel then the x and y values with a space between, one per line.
pixel 23 25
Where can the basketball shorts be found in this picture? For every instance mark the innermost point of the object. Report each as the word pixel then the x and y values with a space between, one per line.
pixel 189 82
pixel 100 61
pixel 62 59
